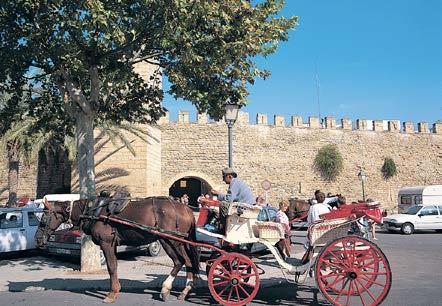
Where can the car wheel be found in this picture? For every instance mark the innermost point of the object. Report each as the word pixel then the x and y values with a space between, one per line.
pixel 154 249
pixel 407 229
pixel 102 258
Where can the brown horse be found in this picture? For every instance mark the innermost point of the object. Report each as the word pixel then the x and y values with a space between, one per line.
pixel 297 208
pixel 160 212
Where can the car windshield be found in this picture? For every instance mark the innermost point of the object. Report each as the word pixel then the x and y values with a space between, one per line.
pixel 413 210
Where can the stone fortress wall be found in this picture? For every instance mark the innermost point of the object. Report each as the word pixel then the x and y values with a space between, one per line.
pixel 281 152
pixel 284 152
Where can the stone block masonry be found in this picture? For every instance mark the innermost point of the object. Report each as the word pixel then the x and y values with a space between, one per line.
pixel 285 154
pixel 282 152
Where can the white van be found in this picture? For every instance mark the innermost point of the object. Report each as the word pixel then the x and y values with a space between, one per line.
pixel 17 228
pixel 419 195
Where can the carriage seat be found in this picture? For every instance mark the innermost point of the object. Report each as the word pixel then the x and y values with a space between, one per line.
pixel 244 210
pixel 270 231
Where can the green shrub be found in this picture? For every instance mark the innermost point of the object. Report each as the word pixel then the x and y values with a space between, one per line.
pixel 388 168
pixel 328 162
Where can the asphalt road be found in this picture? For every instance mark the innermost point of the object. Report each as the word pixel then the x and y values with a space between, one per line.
pixel 416 263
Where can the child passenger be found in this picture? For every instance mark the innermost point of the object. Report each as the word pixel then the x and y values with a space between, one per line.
pixel 284 245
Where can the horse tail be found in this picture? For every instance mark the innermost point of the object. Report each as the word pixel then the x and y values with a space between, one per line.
pixel 192 251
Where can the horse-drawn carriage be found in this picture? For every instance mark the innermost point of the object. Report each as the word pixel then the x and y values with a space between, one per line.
pixel 349 270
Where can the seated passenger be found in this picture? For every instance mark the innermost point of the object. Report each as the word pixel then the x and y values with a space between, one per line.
pixel 317 208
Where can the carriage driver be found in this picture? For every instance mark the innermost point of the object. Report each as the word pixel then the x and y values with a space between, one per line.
pixel 238 191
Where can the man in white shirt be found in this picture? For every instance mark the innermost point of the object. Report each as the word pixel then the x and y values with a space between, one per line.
pixel 317 208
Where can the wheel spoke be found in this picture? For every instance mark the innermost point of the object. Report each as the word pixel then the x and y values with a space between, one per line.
pixel 237 293
pixel 224 270
pixel 230 265
pixel 342 289
pixel 244 269
pixel 230 294
pixel 349 292
pixel 333 274
pixel 367 290
pixel 222 291
pixel 221 276
pixel 243 290
pixel 221 283
pixel 372 281
pixel 335 281
pixel 337 265
pixel 359 293
pixel 247 275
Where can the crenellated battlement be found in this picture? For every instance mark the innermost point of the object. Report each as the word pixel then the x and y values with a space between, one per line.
pixel 328 122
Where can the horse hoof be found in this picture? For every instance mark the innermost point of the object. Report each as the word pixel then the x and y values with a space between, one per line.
pixel 165 295
pixel 110 298
pixel 182 296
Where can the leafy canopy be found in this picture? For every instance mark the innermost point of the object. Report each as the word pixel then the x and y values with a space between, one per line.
pixel 83 52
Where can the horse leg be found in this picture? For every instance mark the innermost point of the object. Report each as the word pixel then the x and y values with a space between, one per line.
pixel 177 264
pixel 189 283
pixel 111 262
pixel 189 272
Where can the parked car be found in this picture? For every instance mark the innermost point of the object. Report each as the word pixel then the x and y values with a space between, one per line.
pixel 67 243
pixel 17 228
pixel 418 217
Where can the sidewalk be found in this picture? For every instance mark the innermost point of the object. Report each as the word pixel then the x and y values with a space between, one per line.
pixel 141 272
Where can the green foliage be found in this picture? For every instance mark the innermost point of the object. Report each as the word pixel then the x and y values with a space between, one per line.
pixel 389 168
pixel 83 52
pixel 328 162
pixel 81 56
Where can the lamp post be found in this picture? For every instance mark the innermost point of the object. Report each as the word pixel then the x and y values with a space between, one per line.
pixel 231 108
pixel 362 177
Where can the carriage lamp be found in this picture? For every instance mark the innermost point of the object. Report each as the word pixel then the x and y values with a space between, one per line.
pixel 362 177
pixel 231 108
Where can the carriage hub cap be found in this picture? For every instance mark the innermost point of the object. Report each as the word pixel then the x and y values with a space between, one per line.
pixel 352 275
pixel 234 281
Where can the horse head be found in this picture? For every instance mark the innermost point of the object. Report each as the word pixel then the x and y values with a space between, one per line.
pixel 54 215
pixel 297 208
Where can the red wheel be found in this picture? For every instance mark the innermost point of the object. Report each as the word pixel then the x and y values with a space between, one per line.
pixel 353 271
pixel 233 280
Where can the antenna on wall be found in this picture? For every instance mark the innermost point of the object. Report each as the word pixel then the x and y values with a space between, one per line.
pixel 317 91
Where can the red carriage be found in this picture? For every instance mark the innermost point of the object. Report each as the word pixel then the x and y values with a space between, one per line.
pixel 349 270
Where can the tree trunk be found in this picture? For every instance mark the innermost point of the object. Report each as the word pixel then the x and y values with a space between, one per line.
pixel 85 154
pixel 13 170
pixel 90 253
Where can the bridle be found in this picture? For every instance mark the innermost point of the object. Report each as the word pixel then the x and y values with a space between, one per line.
pixel 51 213
pixel 302 214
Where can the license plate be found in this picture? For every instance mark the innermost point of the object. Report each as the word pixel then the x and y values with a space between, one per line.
pixel 62 251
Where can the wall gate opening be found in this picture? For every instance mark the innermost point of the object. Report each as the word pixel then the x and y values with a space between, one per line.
pixel 192 186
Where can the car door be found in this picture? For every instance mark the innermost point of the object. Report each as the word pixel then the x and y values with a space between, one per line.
pixel 31 229
pixel 439 222
pixel 12 232
pixel 428 217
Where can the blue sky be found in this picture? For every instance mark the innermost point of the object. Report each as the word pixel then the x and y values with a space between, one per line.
pixel 374 59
